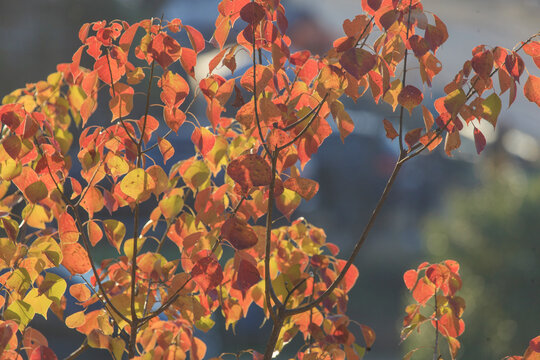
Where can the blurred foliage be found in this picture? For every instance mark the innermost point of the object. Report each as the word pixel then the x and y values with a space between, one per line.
pixel 493 230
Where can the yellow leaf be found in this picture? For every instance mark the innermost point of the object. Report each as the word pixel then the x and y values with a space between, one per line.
pixel 136 183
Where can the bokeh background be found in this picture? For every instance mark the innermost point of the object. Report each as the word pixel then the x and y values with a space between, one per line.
pixel 483 211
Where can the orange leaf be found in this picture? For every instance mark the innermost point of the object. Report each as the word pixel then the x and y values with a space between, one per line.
pixel 174 89
pixel 121 102
pixel 369 336
pixel 410 278
pixel 166 149
pixel 532 89
pixel 80 292
pixel 423 291
pixel 250 170
pixel 238 233
pixel 67 229
pixel 196 38
pixel 358 62
pixel 174 117
pixel 306 188
pixel 164 49
pixel 412 137
pixel 75 258
pixel 94 232
pixel 203 139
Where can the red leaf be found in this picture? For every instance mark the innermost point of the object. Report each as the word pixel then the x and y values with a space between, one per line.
pixel 410 97
pixel 482 63
pixel 207 273
pixel 252 13
pixel 306 188
pixel 391 133
pixel 43 353
pixel 238 233
pixel 374 4
pixel 247 275
pixel 479 140
pixel 164 49
pixel 412 137
pixel 250 170
pixel 358 62
pixel 532 89
pixel 410 278
pixel 418 45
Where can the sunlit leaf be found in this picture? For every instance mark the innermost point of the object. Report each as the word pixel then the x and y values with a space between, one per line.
pixel 238 233
pixel 136 183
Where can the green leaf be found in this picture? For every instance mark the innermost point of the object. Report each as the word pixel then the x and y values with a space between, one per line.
pixel 53 287
pixel 19 281
pixel 171 206
pixel 19 311
pixel 205 323
pixel 492 108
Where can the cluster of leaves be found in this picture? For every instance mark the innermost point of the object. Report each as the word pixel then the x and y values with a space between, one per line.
pixel 425 283
pixel 216 207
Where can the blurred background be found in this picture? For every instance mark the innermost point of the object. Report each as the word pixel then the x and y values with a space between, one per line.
pixel 483 211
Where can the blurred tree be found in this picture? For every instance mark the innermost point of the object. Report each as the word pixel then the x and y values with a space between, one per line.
pixel 480 228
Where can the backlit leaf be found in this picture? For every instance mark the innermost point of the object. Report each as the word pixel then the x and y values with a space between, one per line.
pixel 164 49
pixel 358 62
pixel 174 89
pixel 114 231
pixel 166 149
pixel 42 352
pixel 250 170
pixel 207 273
pixel 532 89
pixel 170 206
pixel 492 107
pixel 94 232
pixel 121 102
pixel 75 259
pixel 304 187
pixel 136 183
pixel 410 97
pixel 67 229
pixel 410 278
pixel 238 233
pixel 479 140
pixel 80 292
pixel 196 38
pixel 203 139
pixel 19 311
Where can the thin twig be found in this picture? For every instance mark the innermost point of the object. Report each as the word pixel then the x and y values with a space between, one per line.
pixel 79 350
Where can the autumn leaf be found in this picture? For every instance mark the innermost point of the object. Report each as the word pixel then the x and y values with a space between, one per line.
pixel 250 170
pixel 136 183
pixel 532 89
pixel 391 133
pixel 479 140
pixel 164 49
pixel 207 273
pixel 410 97
pixel 238 233
pixel 75 258
pixel 304 187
